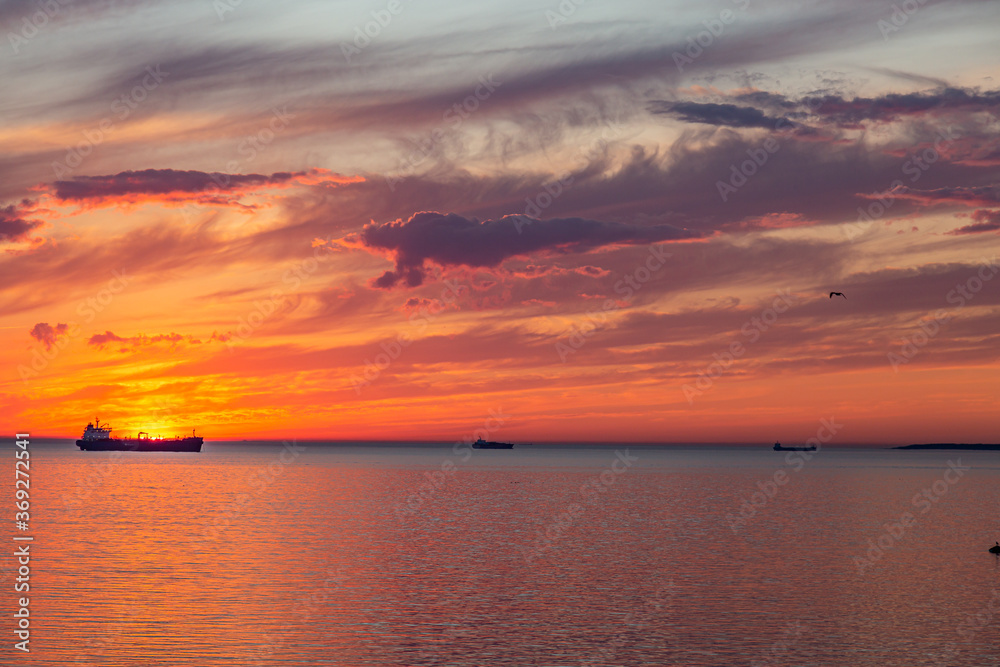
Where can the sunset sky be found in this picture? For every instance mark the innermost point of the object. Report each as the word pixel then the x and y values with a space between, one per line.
pixel 603 221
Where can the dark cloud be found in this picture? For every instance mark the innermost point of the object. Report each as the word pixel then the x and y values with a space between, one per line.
pixel 894 105
pixel 709 113
pixel 850 112
pixel 806 182
pixel 986 221
pixel 451 240
pixel 981 195
pixel 13 226
pixel 167 182
pixel 101 340
pixel 47 335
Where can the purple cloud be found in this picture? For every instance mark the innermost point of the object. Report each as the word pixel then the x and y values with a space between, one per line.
pixel 100 340
pixel 452 240
pixel 13 227
pixel 47 335
pixel 729 115
pixel 986 221
pixel 108 337
pixel 163 182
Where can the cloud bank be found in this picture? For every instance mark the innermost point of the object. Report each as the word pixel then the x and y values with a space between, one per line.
pixel 452 240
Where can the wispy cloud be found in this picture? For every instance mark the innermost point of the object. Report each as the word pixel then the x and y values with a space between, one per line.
pixel 109 339
pixel 170 185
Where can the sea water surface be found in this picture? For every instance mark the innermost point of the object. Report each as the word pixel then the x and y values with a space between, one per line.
pixel 312 554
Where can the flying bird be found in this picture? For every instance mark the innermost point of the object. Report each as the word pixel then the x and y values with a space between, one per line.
pixel 833 294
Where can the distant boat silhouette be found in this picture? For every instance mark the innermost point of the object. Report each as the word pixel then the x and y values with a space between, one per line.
pixel 483 444
pixel 833 294
pixel 995 549
pixel 778 447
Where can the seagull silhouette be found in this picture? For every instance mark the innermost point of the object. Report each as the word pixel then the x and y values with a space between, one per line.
pixel 833 294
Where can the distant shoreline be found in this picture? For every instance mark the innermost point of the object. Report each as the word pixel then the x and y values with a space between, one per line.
pixel 951 445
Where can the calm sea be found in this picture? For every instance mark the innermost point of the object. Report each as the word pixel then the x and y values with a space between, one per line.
pixel 253 554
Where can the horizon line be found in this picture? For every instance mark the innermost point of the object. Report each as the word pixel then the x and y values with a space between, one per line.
pixel 594 443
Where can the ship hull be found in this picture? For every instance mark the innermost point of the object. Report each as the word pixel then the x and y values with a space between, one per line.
pixel 493 445
pixel 192 444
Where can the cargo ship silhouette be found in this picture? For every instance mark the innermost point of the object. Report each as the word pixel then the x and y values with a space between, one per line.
pixel 483 444
pixel 778 447
pixel 98 438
